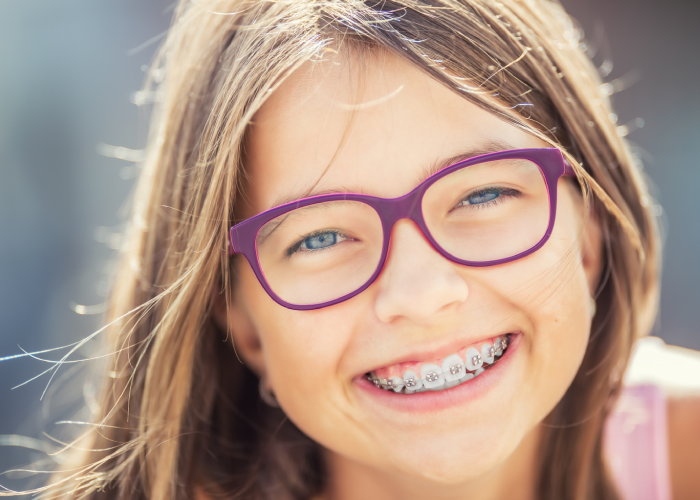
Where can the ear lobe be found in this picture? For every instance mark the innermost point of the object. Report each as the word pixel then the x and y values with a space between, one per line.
pixel 236 319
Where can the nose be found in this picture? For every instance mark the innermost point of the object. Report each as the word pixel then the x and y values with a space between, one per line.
pixel 417 283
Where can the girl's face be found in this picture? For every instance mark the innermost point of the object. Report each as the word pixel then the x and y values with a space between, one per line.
pixel 329 129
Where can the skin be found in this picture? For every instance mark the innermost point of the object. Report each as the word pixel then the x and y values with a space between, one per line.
pixel 307 136
pixel 684 452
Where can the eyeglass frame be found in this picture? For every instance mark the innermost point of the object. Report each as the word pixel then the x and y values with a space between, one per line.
pixel 243 236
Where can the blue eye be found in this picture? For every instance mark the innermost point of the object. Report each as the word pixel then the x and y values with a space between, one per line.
pixel 482 196
pixel 318 241
pixel 489 196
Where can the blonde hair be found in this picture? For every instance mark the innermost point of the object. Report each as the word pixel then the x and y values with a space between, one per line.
pixel 179 412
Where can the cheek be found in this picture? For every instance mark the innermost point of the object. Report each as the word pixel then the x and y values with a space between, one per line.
pixel 562 330
pixel 549 291
pixel 301 349
pixel 558 306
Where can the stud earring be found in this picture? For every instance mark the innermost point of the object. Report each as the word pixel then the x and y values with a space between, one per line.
pixel 267 395
pixel 593 307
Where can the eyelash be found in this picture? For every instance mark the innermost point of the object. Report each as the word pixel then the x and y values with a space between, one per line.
pixel 502 193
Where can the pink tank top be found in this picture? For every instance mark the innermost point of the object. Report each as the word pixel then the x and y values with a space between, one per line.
pixel 636 444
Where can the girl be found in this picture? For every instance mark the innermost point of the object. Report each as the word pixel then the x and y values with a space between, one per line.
pixel 379 250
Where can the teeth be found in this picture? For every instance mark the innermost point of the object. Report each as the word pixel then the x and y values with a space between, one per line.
pixel 453 368
pixel 487 353
pixel 432 376
pixel 395 383
pixel 498 346
pixel 450 383
pixel 474 360
pixel 453 371
pixel 411 382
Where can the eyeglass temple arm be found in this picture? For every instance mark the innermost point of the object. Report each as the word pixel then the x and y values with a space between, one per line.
pixel 231 248
pixel 568 169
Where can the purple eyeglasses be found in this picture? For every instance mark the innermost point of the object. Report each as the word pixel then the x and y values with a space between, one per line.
pixel 322 250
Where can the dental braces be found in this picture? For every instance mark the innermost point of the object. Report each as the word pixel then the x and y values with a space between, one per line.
pixel 496 351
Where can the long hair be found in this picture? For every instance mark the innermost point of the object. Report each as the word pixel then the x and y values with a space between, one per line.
pixel 179 412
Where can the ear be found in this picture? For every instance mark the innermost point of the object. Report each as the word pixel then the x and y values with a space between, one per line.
pixel 235 318
pixel 592 248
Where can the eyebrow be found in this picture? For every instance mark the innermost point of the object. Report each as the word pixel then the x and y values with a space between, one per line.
pixel 486 147
pixel 480 150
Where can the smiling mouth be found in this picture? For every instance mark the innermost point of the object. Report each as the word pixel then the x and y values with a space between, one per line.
pixel 454 370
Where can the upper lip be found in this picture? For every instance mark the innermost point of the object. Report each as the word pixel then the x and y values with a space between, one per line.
pixel 418 353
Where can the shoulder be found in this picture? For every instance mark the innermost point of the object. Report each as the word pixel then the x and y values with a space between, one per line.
pixel 684 446
pixel 677 372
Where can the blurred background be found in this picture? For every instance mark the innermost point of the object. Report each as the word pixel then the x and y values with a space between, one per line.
pixel 70 141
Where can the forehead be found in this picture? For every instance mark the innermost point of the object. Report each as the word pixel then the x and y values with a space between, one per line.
pixel 374 125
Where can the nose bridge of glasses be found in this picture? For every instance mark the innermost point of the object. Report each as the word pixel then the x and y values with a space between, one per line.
pixel 404 207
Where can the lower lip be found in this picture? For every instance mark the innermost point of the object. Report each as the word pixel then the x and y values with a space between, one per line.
pixel 447 398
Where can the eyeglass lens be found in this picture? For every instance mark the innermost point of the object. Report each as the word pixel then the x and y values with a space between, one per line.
pixel 480 213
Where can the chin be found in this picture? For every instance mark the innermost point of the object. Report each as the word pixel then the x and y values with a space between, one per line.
pixel 451 470
pixel 450 460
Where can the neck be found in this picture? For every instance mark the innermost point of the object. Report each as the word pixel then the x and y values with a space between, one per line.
pixel 514 479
